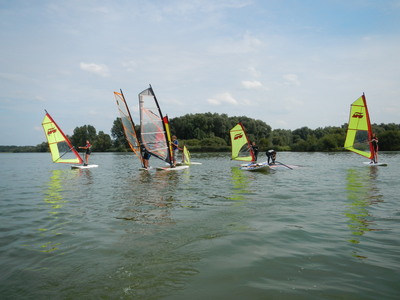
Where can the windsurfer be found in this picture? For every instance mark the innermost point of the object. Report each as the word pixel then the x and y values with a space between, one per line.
pixel 375 147
pixel 175 149
pixel 254 148
pixel 271 154
pixel 145 156
pixel 88 151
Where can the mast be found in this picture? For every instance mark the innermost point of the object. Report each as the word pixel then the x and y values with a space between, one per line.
pixel 371 148
pixel 253 158
pixel 165 123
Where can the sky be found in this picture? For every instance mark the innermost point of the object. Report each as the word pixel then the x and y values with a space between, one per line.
pixel 289 63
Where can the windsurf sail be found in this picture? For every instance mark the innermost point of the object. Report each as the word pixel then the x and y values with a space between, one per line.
pixel 359 132
pixel 186 156
pixel 60 146
pixel 154 128
pixel 128 125
pixel 241 148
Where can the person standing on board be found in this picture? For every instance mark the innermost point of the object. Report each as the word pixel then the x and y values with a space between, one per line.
pixel 145 156
pixel 88 151
pixel 254 148
pixel 375 147
pixel 175 149
pixel 271 154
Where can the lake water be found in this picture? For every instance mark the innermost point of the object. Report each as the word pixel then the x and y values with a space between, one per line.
pixel 329 229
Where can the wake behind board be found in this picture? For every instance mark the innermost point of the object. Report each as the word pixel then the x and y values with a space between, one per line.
pixel 374 164
pixel 255 167
pixel 177 168
pixel 281 166
pixel 84 167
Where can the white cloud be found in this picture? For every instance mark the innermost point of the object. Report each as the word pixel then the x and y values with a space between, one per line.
pixel 246 44
pixel 130 66
pixel 291 79
pixel 222 98
pixel 40 99
pixel 254 72
pixel 101 70
pixel 251 84
pixel 93 112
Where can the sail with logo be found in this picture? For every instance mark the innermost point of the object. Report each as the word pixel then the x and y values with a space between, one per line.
pixel 359 131
pixel 241 148
pixel 60 146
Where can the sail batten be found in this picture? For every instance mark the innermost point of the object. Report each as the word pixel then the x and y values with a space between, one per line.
pixel 359 131
pixel 62 151
pixel 241 148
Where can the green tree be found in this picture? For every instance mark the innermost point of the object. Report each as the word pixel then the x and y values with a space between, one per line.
pixel 43 147
pixel 83 133
pixel 103 142
pixel 389 140
pixel 117 132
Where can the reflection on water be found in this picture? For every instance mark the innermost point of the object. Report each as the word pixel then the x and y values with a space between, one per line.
pixel 85 175
pixel 54 202
pixel 151 197
pixel 362 192
pixel 157 257
pixel 240 184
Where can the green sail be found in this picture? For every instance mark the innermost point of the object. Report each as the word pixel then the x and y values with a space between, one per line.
pixel 359 131
pixel 241 149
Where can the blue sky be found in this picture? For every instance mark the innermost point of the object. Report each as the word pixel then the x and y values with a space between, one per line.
pixel 288 63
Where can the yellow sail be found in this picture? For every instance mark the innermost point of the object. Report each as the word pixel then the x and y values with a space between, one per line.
pixel 241 149
pixel 359 131
pixel 61 148
pixel 186 155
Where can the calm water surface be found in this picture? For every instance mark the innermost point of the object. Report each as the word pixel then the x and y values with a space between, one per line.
pixel 327 230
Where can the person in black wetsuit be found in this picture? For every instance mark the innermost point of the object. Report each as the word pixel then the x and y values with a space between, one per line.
pixel 254 147
pixel 375 147
pixel 271 154
pixel 88 147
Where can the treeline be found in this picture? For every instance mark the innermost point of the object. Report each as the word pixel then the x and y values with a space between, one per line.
pixel 210 132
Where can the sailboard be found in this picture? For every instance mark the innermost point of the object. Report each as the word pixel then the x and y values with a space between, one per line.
pixel 129 126
pixel 62 151
pixel 256 167
pixel 359 132
pixel 84 166
pixel 154 129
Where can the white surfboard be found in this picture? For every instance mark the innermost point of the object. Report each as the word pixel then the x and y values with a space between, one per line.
pixel 191 163
pixel 177 168
pixel 84 167
pixel 256 167
pixel 374 164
